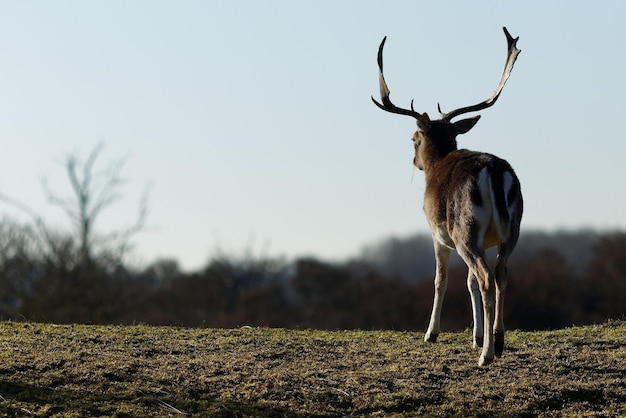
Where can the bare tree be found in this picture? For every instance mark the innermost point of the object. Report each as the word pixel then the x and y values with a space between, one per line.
pixel 92 191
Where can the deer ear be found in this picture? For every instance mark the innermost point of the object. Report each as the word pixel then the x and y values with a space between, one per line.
pixel 464 125
pixel 423 122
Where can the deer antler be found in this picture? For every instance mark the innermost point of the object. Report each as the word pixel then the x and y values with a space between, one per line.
pixel 512 53
pixel 384 90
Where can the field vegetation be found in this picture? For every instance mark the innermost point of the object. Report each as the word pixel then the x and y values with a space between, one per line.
pixel 144 371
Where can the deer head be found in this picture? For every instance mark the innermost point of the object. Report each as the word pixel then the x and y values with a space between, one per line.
pixel 434 139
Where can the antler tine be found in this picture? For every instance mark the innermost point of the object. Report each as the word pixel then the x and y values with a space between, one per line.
pixel 512 53
pixel 387 105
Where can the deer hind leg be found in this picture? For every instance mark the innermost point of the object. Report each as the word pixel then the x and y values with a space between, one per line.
pixel 478 266
pixel 442 256
pixel 477 309
pixel 504 251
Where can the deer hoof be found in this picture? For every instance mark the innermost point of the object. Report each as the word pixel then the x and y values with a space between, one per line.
pixel 498 343
pixel 484 361
pixel 478 342
pixel 431 338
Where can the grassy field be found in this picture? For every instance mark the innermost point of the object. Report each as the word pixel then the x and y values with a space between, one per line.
pixel 81 371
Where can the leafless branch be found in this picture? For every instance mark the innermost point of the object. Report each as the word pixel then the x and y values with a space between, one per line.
pixel 92 192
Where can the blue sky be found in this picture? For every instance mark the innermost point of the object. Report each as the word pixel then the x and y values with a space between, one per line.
pixel 254 125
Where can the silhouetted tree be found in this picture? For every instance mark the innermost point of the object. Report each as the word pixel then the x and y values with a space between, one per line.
pixel 605 279
pixel 542 293
pixel 20 265
pixel 92 192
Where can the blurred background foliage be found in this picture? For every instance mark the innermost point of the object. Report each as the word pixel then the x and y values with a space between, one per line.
pixel 556 280
pixel 80 275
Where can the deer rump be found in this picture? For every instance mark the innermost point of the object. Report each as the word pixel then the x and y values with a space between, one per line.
pixel 479 190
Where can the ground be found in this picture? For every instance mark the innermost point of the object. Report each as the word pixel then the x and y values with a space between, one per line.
pixel 79 370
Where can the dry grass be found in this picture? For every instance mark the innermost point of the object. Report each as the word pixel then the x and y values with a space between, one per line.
pixel 78 370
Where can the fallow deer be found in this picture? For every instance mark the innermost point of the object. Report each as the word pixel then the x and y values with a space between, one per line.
pixel 472 201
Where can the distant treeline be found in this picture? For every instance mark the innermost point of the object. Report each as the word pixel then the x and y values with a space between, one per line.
pixel 556 280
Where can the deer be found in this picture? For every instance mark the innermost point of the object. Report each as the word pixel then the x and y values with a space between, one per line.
pixel 472 202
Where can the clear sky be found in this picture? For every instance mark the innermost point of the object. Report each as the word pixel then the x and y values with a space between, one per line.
pixel 253 120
